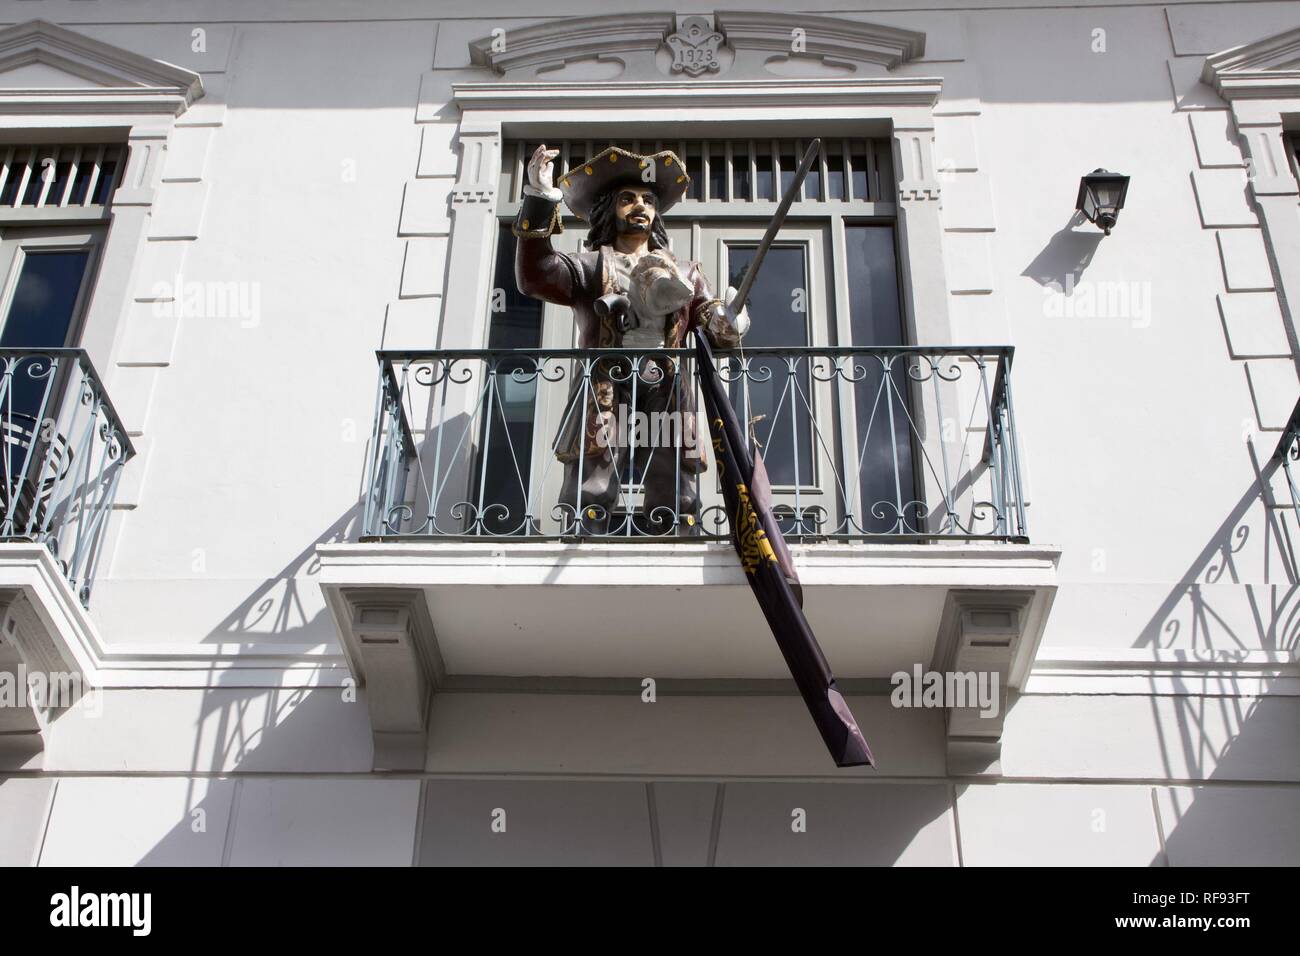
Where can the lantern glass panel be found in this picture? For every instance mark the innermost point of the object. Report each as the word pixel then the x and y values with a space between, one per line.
pixel 1090 204
pixel 1107 194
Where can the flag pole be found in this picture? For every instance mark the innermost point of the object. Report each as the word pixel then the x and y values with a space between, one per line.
pixel 757 537
pixel 742 294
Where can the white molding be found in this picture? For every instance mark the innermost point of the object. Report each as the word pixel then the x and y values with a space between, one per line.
pixel 878 91
pixel 837 38
pixel 412 563
pixel 1266 69
pixel 1055 671
pixel 1164 672
pixel 117 80
pixel 554 43
pixel 1261 82
pixel 67 638
pixel 468 585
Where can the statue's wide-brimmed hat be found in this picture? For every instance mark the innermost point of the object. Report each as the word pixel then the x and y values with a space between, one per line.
pixel 663 172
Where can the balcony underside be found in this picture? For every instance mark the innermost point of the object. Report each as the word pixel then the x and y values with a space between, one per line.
pixel 678 611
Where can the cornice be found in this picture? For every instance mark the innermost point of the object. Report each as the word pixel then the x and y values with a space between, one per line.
pixel 117 80
pixel 1266 69
pixel 886 90
pixel 835 38
pixel 570 38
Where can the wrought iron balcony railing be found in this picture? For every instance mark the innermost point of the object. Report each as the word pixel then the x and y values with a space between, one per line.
pixel 877 444
pixel 64 448
pixel 1288 451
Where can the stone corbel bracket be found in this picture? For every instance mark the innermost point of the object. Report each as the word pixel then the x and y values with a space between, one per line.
pixel 914 161
pixel 389 643
pixel 24 650
pixel 985 633
pixel 44 631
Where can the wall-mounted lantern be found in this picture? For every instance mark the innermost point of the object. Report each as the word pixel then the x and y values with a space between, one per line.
pixel 1101 197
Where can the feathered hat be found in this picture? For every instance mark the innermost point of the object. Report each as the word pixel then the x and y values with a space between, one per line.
pixel 663 172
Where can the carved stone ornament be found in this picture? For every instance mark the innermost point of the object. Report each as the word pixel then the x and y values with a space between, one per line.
pixel 695 47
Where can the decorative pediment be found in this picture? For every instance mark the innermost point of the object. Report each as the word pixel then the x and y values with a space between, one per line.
pixel 46 68
pixel 833 39
pixel 1268 68
pixel 549 45
pixel 739 44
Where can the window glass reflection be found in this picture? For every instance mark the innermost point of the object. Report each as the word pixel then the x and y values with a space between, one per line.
pixel 777 401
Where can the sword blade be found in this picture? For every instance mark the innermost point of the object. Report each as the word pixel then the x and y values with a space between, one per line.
pixel 742 294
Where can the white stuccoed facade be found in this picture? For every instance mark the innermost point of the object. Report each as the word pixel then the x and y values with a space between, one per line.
pixel 334 172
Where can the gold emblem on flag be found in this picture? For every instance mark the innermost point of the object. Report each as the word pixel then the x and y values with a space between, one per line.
pixel 717 446
pixel 754 546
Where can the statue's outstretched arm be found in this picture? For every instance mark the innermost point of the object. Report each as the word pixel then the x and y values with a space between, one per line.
pixel 541 271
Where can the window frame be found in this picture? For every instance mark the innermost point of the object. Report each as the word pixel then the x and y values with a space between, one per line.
pixel 898 108
pixel 15 243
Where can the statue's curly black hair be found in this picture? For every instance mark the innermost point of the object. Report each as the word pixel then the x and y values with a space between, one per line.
pixel 604 223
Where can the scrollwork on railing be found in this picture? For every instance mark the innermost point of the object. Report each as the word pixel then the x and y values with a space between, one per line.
pixel 1288 451
pixel 64 448
pixel 871 444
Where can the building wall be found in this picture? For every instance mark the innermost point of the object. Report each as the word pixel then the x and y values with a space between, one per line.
pixel 316 175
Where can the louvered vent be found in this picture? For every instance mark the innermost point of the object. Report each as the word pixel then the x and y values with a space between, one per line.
pixel 741 170
pixel 51 176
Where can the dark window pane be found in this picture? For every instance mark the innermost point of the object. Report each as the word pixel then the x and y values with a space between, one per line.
pixel 873 285
pixel 516 318
pixel 764 181
pixel 717 176
pixel 523 152
pixel 789 165
pixel 61 173
pixel 40 315
pixel 15 179
pixel 104 188
pixel 35 182
pixel 885 469
pixel 740 171
pixel 777 409
pixel 860 170
pixel 812 183
pixel 884 186
pixel 695 169
pixel 506 435
pixel 81 184
pixel 834 174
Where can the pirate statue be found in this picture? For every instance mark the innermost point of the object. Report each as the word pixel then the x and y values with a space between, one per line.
pixel 627 291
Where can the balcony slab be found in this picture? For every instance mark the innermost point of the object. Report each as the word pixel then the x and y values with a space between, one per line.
pixel 681 611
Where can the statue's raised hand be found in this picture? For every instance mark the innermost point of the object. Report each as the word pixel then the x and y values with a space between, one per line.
pixel 541 174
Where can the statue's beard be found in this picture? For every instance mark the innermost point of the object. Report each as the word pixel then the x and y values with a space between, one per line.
pixel 626 226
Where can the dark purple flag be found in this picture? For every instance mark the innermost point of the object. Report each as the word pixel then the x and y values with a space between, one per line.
pixel 766 560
